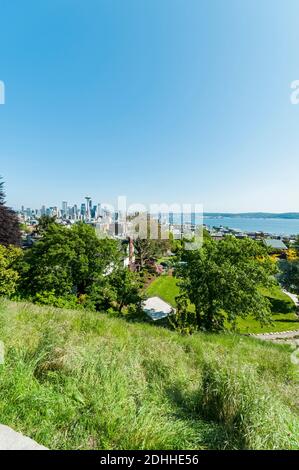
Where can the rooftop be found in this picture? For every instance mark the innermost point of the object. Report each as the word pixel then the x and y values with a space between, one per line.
pixel 274 243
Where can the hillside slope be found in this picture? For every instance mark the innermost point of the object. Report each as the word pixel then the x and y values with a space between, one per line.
pixel 81 380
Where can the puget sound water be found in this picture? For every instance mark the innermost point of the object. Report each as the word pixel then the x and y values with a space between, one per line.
pixel 277 226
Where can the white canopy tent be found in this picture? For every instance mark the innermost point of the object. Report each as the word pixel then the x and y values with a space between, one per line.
pixel 156 308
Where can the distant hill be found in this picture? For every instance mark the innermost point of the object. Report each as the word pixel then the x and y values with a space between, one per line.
pixel 254 215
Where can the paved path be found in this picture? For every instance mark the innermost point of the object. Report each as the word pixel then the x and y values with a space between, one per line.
pixel 12 440
pixel 277 336
pixel 294 297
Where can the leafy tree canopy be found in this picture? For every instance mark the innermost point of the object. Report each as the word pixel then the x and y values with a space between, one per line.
pixel 2 193
pixel 9 224
pixel 44 222
pixel 67 260
pixel 289 275
pixel 71 266
pixel 8 275
pixel 222 281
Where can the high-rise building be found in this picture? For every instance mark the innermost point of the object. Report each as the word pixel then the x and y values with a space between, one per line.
pixel 193 221
pixel 94 212
pixel 64 209
pixel 170 218
pixel 83 209
pixel 88 202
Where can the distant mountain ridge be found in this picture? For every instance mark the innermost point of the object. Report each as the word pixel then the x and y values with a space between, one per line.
pixel 253 215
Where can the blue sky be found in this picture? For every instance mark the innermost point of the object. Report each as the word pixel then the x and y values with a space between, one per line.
pixel 184 101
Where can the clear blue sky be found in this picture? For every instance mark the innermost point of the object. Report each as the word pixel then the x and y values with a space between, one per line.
pixel 158 100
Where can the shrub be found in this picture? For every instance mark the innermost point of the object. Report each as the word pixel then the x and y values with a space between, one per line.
pixel 8 275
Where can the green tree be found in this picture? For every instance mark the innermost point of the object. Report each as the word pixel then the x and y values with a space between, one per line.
pixel 8 275
pixel 145 252
pixel 44 223
pixel 126 287
pixel 9 223
pixel 289 275
pixel 67 260
pixel 223 279
pixel 2 193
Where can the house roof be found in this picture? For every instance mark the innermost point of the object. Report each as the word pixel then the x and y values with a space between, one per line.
pixel 156 308
pixel 273 243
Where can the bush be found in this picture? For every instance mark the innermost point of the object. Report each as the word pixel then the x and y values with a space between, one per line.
pixel 8 275
pixel 49 298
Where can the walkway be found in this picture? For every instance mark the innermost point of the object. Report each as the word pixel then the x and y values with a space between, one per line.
pixel 282 335
pixel 12 440
pixel 294 297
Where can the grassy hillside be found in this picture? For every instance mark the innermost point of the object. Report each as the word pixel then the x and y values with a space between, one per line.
pixel 75 379
pixel 283 309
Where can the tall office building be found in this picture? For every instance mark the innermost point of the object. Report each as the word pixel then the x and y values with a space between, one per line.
pixel 193 221
pixel 182 223
pixel 83 210
pixel 171 218
pixel 64 209
pixel 88 201
pixel 116 224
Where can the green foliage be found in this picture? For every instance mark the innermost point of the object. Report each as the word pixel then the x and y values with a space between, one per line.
pixel 69 374
pixel 118 290
pixel 25 228
pixel 148 251
pixel 289 275
pixel 2 193
pixel 9 223
pixel 50 298
pixel 44 223
pixel 283 314
pixel 8 275
pixel 126 287
pixel 72 267
pixel 222 281
pixel 283 310
pixel 183 320
pixel 144 251
pixel 67 261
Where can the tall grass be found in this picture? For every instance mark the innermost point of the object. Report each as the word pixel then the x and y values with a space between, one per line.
pixel 254 416
pixel 80 380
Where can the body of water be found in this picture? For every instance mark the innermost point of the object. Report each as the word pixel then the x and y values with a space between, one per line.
pixel 273 226
pixel 244 224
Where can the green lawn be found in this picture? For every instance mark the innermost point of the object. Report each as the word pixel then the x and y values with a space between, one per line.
pixel 83 380
pixel 283 315
pixel 283 309
pixel 165 287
